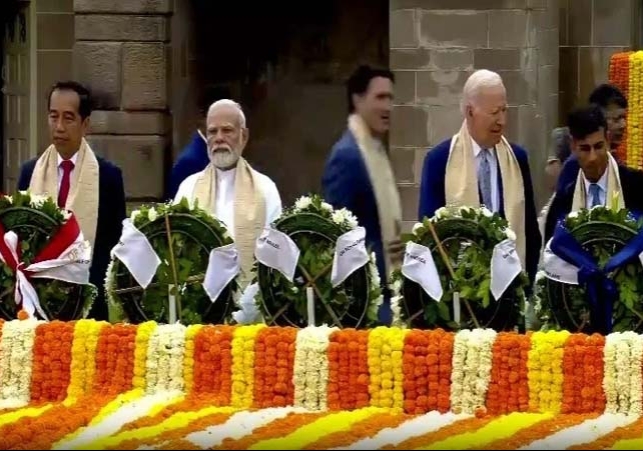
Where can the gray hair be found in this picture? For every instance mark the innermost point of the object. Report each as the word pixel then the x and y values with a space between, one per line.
pixel 232 103
pixel 477 81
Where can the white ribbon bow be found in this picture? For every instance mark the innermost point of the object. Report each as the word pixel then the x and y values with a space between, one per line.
pixel 419 267
pixel 350 255
pixel 505 267
pixel 137 254
pixel 72 266
pixel 223 266
pixel 277 250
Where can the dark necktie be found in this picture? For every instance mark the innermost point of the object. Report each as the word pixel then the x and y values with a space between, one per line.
pixel 595 193
pixel 484 179
pixel 63 192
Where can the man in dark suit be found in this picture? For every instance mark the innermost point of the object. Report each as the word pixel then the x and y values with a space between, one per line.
pixel 358 174
pixel 89 186
pixel 614 106
pixel 479 167
pixel 601 181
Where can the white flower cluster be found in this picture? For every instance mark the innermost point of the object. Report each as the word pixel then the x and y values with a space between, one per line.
pixel 17 362
pixel 340 216
pixel 310 373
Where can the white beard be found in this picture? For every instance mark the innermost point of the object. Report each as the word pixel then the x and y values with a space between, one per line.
pixel 224 159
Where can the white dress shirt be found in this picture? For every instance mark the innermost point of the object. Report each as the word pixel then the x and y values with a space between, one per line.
pixel 602 192
pixel 224 203
pixel 493 166
pixel 73 159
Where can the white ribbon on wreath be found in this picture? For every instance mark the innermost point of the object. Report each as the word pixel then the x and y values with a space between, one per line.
pixel 137 254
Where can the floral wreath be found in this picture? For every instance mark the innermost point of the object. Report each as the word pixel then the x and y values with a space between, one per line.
pixel 603 232
pixel 182 235
pixel 35 219
pixel 314 225
pixel 467 236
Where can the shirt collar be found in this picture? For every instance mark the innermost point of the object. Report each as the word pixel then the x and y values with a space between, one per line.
pixel 477 149
pixel 226 176
pixel 602 182
pixel 73 159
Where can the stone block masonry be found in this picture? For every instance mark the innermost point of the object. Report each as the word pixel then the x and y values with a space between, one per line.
pixel 122 53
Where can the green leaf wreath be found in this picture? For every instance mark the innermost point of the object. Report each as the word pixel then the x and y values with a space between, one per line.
pixel 467 236
pixel 315 226
pixel 182 235
pixel 603 232
pixel 36 219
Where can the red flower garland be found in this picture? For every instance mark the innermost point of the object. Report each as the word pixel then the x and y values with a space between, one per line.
pixel 508 387
pixel 582 368
pixel 213 364
pixel 115 359
pixel 348 370
pixel 50 374
pixel 274 366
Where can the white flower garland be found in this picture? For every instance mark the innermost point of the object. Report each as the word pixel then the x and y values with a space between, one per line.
pixel 310 374
pixel 165 353
pixel 471 374
pixel 16 362
pixel 622 378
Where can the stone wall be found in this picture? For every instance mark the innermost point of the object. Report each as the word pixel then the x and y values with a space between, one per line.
pixel 55 32
pixel 437 44
pixel 590 32
pixel 122 53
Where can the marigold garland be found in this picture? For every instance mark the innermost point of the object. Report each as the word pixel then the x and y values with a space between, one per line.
pixel 385 364
pixel 50 374
pixel 213 363
pixel 243 364
pixel 545 367
pixel 582 366
pixel 188 361
pixel 273 367
pixel 83 361
pixel 457 427
pixel 115 357
pixel 509 388
pixel 348 370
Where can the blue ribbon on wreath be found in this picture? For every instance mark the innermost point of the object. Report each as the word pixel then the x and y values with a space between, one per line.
pixel 601 289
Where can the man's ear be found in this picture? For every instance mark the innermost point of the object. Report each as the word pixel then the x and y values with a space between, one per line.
pixel 245 135
pixel 85 125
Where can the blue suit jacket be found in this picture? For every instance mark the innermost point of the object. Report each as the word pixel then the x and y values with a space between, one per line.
pixel 111 212
pixel 346 184
pixel 432 196
pixel 194 158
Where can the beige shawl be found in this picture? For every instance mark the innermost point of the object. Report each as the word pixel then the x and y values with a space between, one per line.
pixel 614 195
pixel 461 182
pixel 382 178
pixel 83 194
pixel 249 209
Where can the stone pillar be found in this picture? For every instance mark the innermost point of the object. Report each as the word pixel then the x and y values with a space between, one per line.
pixel 436 44
pixel 122 53
pixel 591 31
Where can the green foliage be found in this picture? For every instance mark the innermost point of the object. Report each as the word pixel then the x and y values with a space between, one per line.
pixel 315 226
pixel 194 233
pixel 468 237
pixel 36 219
pixel 603 232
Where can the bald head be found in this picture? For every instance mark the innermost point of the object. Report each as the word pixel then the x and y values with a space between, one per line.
pixel 226 133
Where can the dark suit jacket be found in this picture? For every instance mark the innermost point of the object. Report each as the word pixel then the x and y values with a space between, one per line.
pixel 346 184
pixel 111 212
pixel 631 184
pixel 194 158
pixel 432 196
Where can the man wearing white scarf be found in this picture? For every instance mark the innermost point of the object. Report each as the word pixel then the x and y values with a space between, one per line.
pixel 601 180
pixel 79 180
pixel 244 199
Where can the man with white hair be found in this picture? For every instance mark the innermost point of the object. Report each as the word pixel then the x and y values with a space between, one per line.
pixel 478 166
pixel 243 198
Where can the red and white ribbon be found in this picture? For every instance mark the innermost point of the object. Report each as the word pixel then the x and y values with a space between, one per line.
pixel 66 257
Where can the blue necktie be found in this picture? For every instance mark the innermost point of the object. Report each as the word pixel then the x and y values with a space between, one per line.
pixel 595 193
pixel 484 179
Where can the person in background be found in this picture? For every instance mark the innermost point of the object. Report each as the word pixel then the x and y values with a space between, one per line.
pixel 194 156
pixel 82 182
pixel 358 174
pixel 243 198
pixel 478 166
pixel 601 180
pixel 614 107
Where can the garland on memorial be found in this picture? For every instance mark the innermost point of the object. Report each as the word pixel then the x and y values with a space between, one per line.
pixel 314 225
pixel 35 219
pixel 467 236
pixel 182 235
pixel 602 232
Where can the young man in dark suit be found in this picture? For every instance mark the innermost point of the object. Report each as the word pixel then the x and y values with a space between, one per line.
pixel 601 181
pixel 358 174
pixel 82 182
